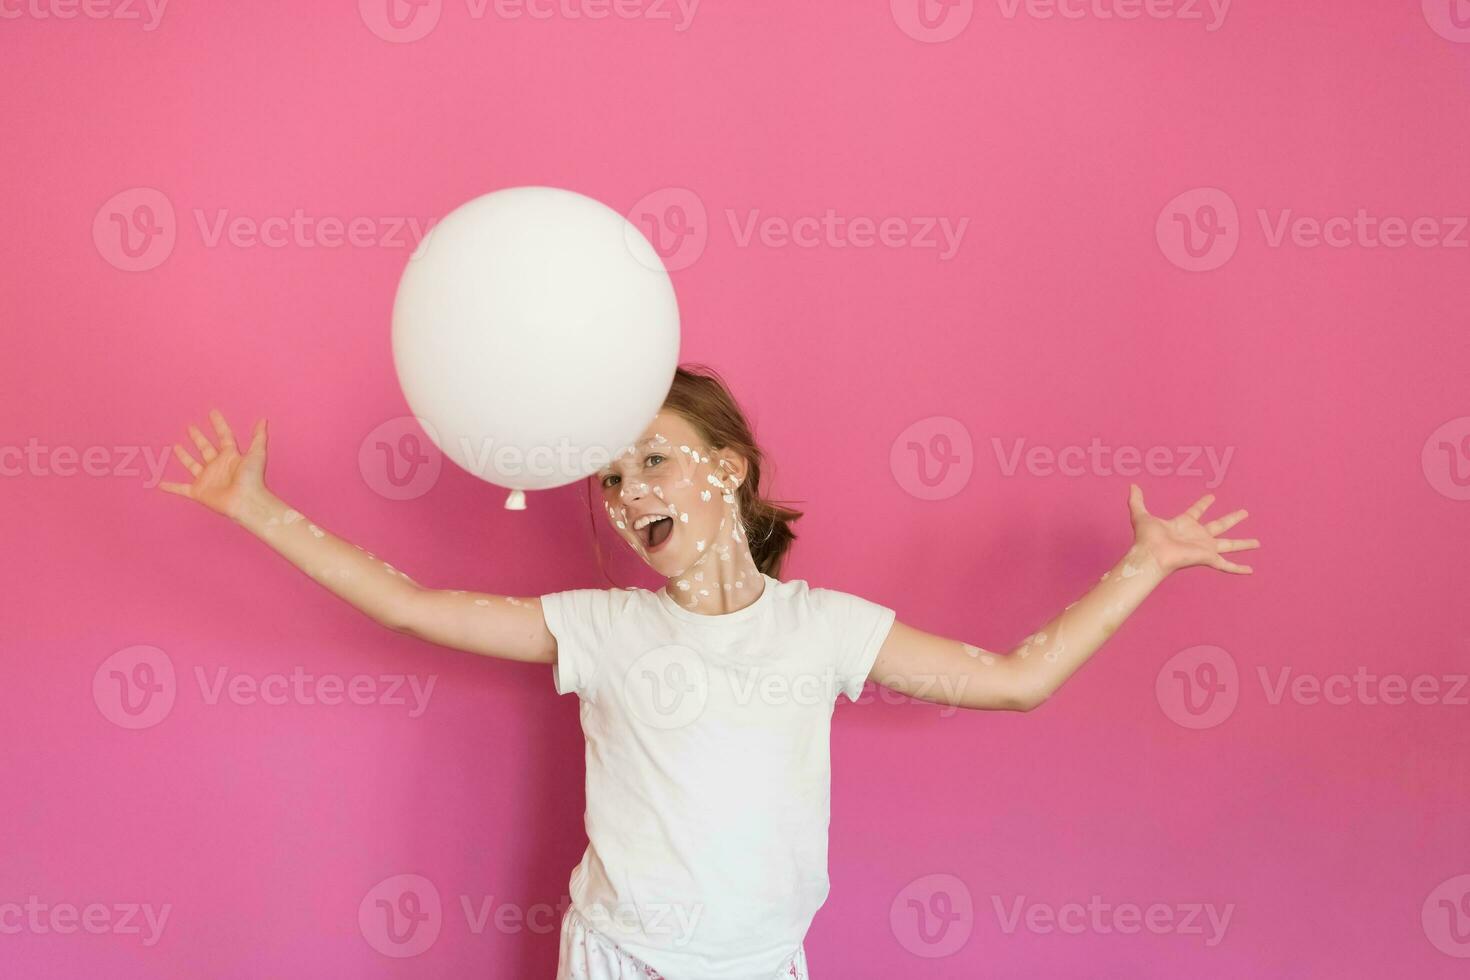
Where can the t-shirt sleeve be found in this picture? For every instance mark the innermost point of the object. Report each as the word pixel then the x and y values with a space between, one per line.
pixel 859 628
pixel 581 621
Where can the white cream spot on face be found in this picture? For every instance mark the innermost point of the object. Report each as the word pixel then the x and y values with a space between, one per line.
pixel 704 495
pixel 683 585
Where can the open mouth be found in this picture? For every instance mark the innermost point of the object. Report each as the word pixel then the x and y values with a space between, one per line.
pixel 653 530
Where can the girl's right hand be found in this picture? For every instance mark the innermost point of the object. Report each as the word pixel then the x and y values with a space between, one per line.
pixel 226 481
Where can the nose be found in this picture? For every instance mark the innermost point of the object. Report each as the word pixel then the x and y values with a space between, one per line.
pixel 633 489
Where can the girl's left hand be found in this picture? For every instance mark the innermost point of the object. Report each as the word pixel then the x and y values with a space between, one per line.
pixel 1184 541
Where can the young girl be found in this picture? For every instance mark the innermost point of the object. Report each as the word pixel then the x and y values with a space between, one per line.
pixel 706 705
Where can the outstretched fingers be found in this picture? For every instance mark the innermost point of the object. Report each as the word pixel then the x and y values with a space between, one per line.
pixel 1225 565
pixel 1222 524
pixel 1198 508
pixel 222 429
pixel 257 440
pixel 206 448
pixel 1135 501
pixel 190 463
pixel 1236 544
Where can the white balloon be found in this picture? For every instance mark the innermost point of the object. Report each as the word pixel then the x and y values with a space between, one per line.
pixel 536 333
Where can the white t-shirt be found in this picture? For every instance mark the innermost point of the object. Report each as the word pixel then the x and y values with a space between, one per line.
pixel 708 766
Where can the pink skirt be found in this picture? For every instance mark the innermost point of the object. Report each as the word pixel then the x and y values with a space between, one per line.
pixel 587 954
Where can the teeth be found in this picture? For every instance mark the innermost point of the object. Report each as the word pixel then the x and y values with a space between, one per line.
pixel 647 519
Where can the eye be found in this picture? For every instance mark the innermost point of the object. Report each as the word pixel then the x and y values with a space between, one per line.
pixel 610 480
pixel 653 459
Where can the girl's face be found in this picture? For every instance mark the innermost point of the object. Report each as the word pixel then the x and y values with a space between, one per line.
pixel 673 499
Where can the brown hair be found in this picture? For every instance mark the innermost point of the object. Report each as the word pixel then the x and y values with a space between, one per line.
pixel 702 398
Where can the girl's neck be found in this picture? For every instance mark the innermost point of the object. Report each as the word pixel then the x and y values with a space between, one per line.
pixel 723 579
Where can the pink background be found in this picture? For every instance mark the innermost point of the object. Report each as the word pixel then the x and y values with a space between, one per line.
pixel 1336 832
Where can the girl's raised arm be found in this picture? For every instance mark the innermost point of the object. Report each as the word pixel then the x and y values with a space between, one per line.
pixel 933 668
pixel 233 484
